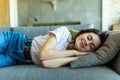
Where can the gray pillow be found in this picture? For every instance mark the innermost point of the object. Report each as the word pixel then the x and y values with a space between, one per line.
pixel 104 54
pixel 115 63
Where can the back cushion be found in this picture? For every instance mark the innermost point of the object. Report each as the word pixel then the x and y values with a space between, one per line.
pixel 115 63
pixel 41 30
pixel 4 29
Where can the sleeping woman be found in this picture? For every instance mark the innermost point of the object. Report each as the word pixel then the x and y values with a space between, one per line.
pixel 53 50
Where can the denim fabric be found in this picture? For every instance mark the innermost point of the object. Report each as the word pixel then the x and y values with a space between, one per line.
pixel 11 48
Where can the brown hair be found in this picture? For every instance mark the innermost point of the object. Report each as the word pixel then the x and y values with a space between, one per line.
pixel 96 31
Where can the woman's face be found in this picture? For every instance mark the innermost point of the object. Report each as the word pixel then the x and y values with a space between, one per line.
pixel 87 42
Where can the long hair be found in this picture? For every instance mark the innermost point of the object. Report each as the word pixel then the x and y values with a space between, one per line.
pixel 96 31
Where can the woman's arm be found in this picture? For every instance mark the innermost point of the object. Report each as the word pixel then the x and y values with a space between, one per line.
pixel 47 51
pixel 55 63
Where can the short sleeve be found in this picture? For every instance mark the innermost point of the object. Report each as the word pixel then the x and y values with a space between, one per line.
pixel 60 33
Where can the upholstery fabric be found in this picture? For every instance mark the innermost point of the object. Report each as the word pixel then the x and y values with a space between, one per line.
pixel 34 72
pixel 104 54
pixel 37 72
pixel 5 29
pixel 41 30
pixel 115 63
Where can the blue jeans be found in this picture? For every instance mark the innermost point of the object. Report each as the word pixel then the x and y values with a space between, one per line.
pixel 11 48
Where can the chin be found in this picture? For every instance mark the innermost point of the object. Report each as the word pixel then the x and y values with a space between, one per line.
pixel 82 50
pixel 78 48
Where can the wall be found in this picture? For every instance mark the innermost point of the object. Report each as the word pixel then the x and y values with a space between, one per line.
pixel 22 12
pixel 4 13
pixel 113 12
pixel 39 11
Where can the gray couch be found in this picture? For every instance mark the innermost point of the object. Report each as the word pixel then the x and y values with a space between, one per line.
pixel 37 72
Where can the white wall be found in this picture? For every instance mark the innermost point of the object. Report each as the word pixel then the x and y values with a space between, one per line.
pixel 13 13
pixel 104 15
pixel 110 13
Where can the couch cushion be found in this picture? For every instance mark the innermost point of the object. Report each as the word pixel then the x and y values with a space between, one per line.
pixel 31 31
pixel 34 72
pixel 4 29
pixel 41 30
pixel 115 63
pixel 104 54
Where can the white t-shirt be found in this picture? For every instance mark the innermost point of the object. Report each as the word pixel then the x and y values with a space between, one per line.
pixel 63 37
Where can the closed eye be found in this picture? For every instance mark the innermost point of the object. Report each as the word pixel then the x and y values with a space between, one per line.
pixel 89 37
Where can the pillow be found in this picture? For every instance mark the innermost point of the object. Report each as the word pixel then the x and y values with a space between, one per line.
pixel 104 54
pixel 73 32
pixel 115 63
pixel 81 27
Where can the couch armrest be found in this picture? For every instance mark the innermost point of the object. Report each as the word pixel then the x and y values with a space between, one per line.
pixel 115 63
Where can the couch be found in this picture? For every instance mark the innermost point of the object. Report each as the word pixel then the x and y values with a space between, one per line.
pixel 37 72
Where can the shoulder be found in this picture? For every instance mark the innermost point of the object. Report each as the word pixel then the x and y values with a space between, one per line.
pixel 63 29
pixel 60 30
